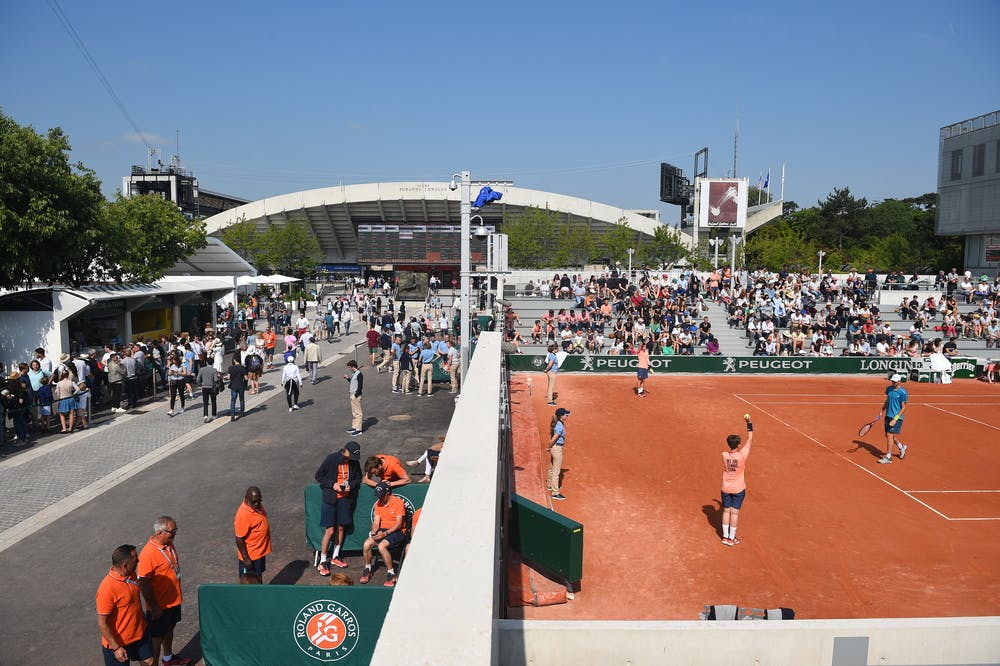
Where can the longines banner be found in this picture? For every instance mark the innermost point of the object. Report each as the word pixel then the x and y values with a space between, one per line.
pixel 965 368
pixel 290 624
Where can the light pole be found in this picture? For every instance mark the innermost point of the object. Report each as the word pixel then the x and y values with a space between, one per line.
pixel 463 182
pixel 715 243
pixel 631 251
pixel 821 255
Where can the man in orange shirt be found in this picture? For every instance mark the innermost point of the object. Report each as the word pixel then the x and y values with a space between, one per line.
pixel 385 468
pixel 253 533
pixel 270 341
pixel 119 612
pixel 160 583
pixel 386 532
pixel 734 486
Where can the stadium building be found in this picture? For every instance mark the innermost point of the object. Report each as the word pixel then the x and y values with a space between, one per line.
pixel 969 188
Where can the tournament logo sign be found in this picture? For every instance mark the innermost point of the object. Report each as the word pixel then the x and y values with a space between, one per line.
pixel 326 630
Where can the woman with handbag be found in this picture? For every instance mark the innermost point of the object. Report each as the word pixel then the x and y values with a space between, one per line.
pixel 209 380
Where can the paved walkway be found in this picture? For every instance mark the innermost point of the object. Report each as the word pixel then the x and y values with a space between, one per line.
pixel 69 501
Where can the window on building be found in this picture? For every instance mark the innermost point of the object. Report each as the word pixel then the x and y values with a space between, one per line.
pixel 978 159
pixel 956 164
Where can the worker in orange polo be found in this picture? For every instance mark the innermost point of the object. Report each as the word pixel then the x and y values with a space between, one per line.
pixel 253 533
pixel 387 468
pixel 119 612
pixel 160 583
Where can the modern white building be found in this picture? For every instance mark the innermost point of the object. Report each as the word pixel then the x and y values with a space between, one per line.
pixel 969 189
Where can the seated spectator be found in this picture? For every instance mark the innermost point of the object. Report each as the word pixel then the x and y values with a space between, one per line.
pixel 386 533
pixel 712 346
pixel 950 348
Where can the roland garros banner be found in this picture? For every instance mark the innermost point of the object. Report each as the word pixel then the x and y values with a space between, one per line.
pixel 290 624
pixel 963 367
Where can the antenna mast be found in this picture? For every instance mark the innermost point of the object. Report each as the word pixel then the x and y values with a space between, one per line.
pixel 736 145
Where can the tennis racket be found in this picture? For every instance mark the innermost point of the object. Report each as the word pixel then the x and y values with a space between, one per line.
pixel 863 430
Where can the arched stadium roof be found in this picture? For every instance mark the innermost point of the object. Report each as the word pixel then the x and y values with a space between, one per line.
pixel 334 213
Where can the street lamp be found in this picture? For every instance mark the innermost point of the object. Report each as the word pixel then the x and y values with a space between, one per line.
pixel 631 251
pixel 715 243
pixel 821 255
pixel 463 182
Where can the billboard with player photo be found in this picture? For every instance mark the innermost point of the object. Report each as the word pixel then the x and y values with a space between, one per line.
pixel 723 203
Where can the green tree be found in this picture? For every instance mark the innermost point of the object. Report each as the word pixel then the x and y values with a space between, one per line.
pixel 245 239
pixel 665 248
pixel 291 249
pixel 531 238
pixel 841 215
pixel 574 245
pixel 614 243
pixel 50 210
pixel 780 244
pixel 146 235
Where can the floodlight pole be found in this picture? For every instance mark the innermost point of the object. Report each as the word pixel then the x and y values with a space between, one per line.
pixel 821 255
pixel 715 243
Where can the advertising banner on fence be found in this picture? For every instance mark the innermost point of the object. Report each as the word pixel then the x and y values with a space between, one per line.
pixel 290 624
pixel 875 365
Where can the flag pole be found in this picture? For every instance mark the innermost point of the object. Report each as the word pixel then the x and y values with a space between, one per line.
pixel 782 181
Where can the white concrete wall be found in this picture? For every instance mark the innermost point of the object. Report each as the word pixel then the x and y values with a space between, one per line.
pixel 444 606
pixel 23 332
pixel 914 641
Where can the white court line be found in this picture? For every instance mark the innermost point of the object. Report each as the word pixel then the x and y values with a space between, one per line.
pixel 953 491
pixel 848 460
pixel 982 423
pixel 855 402
pixel 858 395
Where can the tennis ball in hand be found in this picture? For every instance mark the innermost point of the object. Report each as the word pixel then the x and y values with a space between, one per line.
pixel 746 417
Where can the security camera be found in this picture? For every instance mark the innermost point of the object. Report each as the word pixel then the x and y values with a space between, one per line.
pixel 453 185
pixel 481 232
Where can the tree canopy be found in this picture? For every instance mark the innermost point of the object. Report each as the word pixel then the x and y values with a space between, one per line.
pixel 895 234
pixel 58 228
pixel 291 249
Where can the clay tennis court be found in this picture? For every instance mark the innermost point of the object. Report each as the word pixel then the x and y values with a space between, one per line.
pixel 825 529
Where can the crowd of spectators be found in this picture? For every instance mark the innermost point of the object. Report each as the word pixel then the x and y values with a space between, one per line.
pixel 610 315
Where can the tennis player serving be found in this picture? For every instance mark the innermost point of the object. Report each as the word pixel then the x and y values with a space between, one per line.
pixel 734 487
pixel 893 408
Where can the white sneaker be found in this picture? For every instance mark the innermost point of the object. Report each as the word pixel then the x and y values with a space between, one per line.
pixel 170 412
pixel 902 451
pixel 180 411
pixel 295 406
pixel 289 410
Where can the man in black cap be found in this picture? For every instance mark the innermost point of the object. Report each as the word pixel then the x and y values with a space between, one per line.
pixel 339 476
pixel 387 532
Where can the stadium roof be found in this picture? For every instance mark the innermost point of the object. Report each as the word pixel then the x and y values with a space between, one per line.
pixel 333 213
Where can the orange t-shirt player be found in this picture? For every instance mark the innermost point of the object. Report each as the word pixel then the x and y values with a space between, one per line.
pixel 734 486
pixel 119 611
pixel 253 533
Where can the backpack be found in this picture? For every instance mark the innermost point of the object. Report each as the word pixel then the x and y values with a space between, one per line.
pixel 254 362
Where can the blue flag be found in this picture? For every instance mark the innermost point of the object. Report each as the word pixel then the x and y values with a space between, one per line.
pixel 486 195
pixel 768 179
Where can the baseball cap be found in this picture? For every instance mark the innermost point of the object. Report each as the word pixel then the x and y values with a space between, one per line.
pixel 353 448
pixel 381 489
pixel 562 411
pixel 896 377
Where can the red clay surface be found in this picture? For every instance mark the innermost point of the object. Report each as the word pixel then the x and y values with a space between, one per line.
pixel 825 529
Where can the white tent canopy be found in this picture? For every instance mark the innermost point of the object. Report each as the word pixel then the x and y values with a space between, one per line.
pixel 245 280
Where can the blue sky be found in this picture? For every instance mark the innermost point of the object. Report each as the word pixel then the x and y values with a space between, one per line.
pixel 582 98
